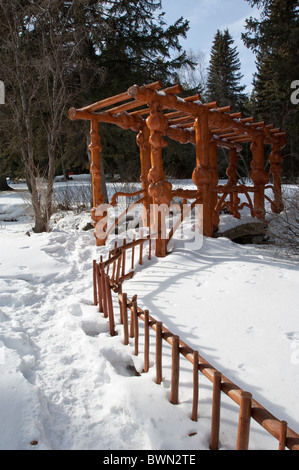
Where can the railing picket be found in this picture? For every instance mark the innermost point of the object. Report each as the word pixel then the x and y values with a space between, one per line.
pixel 124 251
pixel 149 248
pixel 95 290
pixel 215 424
pixel 110 307
pixel 158 352
pixel 99 284
pixel 104 293
pixel 146 341
pixel 283 435
pixel 175 370
pixel 244 421
pixel 195 387
pixel 140 253
pixel 133 252
pixel 125 318
pixel 136 326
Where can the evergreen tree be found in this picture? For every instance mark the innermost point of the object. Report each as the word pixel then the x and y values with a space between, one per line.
pixel 224 76
pixel 55 54
pixel 275 41
pixel 137 47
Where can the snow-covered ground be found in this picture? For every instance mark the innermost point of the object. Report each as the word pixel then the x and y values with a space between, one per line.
pixel 66 384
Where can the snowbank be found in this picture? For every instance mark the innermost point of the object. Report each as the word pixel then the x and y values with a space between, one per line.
pixel 66 384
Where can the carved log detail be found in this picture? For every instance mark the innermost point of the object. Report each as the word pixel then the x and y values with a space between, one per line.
pixel 142 140
pixel 231 172
pixel 213 154
pixel 203 174
pixel 159 189
pixel 95 148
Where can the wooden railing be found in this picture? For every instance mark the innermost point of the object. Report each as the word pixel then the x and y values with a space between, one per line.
pixel 108 277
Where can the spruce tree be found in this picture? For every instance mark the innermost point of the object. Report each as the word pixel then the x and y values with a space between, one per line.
pixel 224 76
pixel 275 41
pixel 137 47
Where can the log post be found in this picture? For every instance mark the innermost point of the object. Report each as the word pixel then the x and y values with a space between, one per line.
pixel 276 160
pixel 213 150
pixel 136 326
pixel 146 341
pixel 95 148
pixel 194 415
pixel 215 425
pixel 142 140
pixel 95 290
pixel 133 253
pixel 124 308
pixel 175 370
pixel 158 352
pixel 99 284
pixel 244 421
pixel 231 172
pixel 283 435
pixel 123 261
pixel 103 291
pixel 202 175
pixel 259 176
pixel 110 307
pixel 159 189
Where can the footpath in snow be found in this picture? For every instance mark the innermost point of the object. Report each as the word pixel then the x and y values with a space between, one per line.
pixel 65 384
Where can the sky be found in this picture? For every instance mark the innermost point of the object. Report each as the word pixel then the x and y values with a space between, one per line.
pixel 205 17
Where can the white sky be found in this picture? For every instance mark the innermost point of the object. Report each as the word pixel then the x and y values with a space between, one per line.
pixel 205 17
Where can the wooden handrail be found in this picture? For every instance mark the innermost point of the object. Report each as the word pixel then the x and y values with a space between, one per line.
pixel 278 429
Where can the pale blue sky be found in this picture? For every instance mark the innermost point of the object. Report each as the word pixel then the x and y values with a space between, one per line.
pixel 205 17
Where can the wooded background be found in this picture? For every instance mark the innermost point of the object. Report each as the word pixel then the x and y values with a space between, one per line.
pixel 55 54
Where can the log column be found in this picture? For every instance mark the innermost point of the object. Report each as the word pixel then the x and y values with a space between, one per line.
pixel 213 149
pixel 95 148
pixel 259 176
pixel 142 140
pixel 159 189
pixel 202 175
pixel 276 160
pixel 231 172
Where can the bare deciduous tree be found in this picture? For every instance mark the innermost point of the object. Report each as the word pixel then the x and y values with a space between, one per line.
pixel 39 58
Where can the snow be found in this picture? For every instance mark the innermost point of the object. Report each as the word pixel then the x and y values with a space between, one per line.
pixel 66 384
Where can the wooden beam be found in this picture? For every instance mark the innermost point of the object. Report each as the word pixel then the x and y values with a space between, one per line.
pixel 179 120
pixel 125 107
pixel 212 105
pixel 187 125
pixel 124 120
pixel 236 115
pixel 168 101
pixel 117 98
pixel 224 109
pixel 106 102
pixel 173 90
pixel 193 98
pixel 248 119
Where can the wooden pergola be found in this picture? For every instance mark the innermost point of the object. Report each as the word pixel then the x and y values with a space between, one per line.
pixel 153 112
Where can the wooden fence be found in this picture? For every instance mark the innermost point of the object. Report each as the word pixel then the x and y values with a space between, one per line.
pixel 108 277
